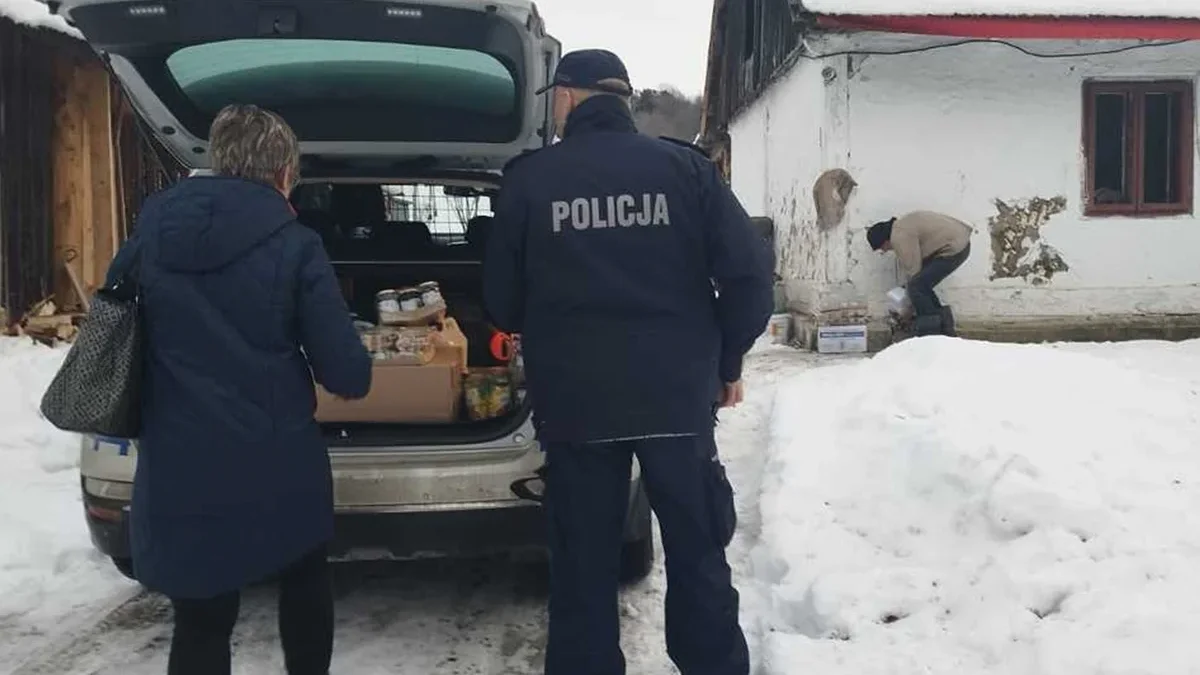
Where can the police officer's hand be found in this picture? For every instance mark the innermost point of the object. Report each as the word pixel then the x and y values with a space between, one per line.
pixel 733 394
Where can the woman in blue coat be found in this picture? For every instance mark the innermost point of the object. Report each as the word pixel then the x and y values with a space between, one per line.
pixel 241 311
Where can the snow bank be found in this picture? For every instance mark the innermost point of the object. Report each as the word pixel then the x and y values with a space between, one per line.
pixel 963 507
pixel 36 14
pixel 1186 9
pixel 48 568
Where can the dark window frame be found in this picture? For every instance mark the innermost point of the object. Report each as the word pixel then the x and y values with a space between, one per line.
pixel 1135 151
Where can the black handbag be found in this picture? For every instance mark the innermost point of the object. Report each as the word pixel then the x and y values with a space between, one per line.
pixel 98 389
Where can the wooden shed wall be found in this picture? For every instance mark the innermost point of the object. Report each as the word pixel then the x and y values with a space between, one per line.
pixel 27 99
pixel 74 168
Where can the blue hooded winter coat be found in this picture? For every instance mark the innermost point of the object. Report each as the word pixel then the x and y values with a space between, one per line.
pixel 241 311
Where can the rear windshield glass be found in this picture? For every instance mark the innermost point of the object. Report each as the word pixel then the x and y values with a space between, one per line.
pixel 331 90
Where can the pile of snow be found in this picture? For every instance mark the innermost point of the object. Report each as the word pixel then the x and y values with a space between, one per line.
pixel 1183 9
pixel 35 13
pixel 48 568
pixel 959 507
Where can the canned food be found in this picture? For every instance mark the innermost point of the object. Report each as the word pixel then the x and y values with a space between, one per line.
pixel 410 300
pixel 387 301
pixel 431 293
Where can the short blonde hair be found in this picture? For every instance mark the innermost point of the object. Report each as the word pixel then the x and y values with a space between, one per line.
pixel 249 142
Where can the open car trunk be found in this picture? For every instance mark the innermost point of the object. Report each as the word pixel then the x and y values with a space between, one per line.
pixel 370 87
pixel 396 235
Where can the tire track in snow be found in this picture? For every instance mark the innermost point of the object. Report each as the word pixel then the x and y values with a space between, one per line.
pixel 134 622
pixel 450 617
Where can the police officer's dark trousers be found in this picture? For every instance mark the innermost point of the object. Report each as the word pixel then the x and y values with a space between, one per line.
pixel 587 497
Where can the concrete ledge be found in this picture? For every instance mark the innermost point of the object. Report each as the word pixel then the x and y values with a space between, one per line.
pixel 1095 328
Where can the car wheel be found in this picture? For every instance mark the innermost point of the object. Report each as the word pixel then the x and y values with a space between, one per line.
pixel 637 559
pixel 125 566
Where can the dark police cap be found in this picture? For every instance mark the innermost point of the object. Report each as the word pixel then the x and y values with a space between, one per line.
pixel 586 69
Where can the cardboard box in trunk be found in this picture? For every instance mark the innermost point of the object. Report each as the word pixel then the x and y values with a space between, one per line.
pixel 402 393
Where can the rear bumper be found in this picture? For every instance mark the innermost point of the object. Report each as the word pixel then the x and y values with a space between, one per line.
pixel 108 525
pixel 412 534
pixel 425 534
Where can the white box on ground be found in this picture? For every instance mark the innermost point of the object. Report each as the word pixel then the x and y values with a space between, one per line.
pixel 779 329
pixel 841 339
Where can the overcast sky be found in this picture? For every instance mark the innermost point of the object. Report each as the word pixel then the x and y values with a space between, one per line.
pixel 661 41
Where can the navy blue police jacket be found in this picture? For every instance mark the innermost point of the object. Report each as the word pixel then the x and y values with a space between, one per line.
pixel 633 275
pixel 241 309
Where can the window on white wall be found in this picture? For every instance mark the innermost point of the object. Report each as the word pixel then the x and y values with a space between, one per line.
pixel 1138 145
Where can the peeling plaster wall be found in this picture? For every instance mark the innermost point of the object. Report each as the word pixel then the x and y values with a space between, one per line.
pixel 780 146
pixel 980 132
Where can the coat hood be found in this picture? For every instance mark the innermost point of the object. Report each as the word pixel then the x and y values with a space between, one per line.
pixel 208 222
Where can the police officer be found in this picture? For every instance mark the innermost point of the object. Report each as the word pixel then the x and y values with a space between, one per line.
pixel 638 286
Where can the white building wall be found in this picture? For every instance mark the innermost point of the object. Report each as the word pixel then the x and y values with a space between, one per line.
pixel 748 160
pixel 778 148
pixel 955 130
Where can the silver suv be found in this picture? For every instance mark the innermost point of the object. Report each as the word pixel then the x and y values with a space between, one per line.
pixel 406 114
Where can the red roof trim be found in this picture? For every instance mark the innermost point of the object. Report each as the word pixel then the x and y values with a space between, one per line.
pixel 1024 27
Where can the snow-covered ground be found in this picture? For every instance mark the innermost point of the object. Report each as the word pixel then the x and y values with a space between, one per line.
pixel 49 573
pixel 962 507
pixel 443 617
pixel 945 507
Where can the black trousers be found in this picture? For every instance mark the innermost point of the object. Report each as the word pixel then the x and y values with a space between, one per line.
pixel 926 304
pixel 200 644
pixel 587 496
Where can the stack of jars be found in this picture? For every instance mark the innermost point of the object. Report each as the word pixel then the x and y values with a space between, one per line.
pixel 394 304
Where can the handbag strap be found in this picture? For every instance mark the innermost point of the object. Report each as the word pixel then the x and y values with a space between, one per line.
pixel 124 271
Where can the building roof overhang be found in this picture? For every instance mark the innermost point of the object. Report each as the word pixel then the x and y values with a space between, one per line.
pixel 1019 27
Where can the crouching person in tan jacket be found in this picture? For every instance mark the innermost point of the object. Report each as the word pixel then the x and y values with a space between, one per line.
pixel 929 247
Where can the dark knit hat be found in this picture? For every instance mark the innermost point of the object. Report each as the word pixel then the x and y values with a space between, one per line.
pixel 880 233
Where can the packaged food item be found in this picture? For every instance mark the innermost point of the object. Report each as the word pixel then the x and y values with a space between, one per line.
pixel 387 301
pixel 410 299
pixel 431 294
pixel 506 348
pixel 516 365
pixel 373 343
pixel 898 302
pixel 418 306
pixel 450 337
pixel 401 345
pixel 488 393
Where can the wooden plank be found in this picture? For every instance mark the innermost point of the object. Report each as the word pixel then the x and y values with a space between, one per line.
pixel 103 222
pixel 70 187
pixel 83 97
pixel 86 223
